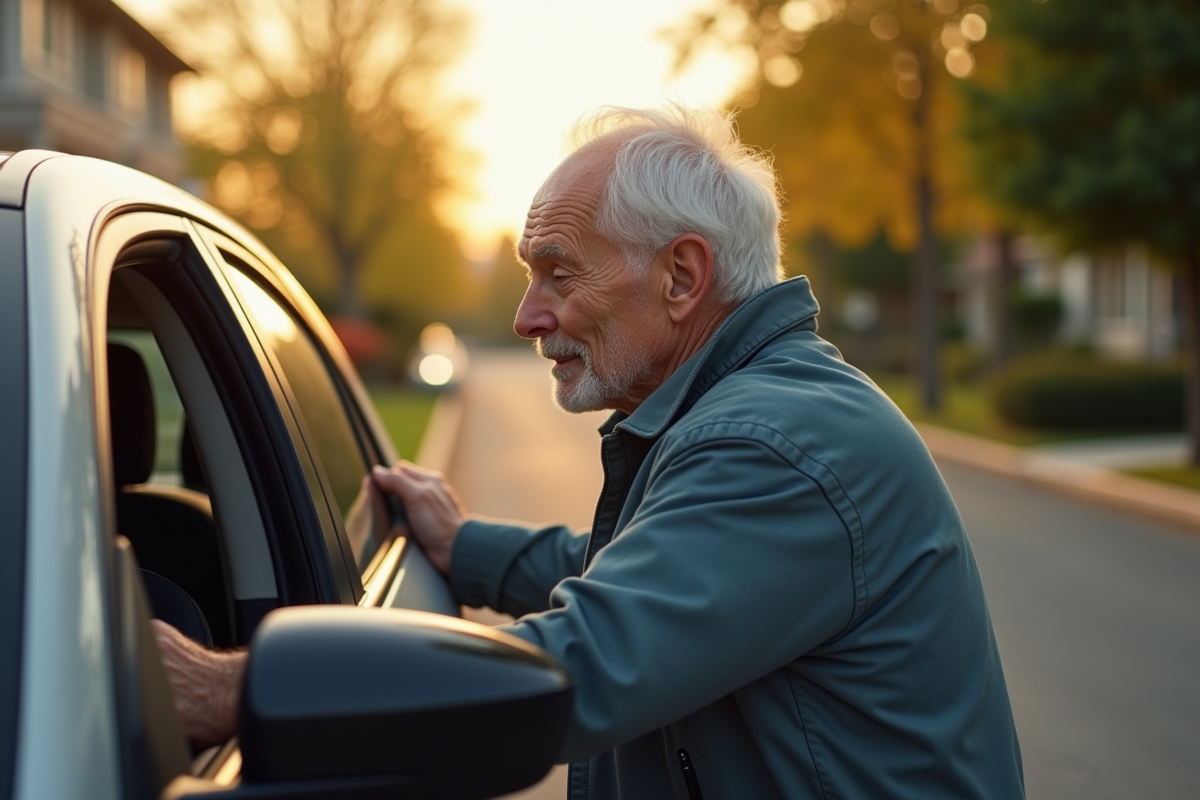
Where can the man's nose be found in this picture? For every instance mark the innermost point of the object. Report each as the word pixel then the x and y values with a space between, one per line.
pixel 534 318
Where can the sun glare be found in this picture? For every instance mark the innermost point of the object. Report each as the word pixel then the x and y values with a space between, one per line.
pixel 531 68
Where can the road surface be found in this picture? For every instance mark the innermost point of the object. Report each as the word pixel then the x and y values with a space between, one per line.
pixel 519 457
pixel 1098 618
pixel 1097 613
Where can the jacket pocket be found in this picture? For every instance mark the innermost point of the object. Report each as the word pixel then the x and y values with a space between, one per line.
pixel 688 769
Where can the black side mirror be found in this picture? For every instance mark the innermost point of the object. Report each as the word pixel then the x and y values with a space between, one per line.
pixel 363 703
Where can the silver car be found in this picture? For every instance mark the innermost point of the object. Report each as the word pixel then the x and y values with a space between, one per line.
pixel 184 436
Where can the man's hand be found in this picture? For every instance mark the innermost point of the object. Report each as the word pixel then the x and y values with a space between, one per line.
pixel 434 511
pixel 206 685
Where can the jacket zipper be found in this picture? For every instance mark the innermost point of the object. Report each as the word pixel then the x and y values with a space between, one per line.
pixel 689 775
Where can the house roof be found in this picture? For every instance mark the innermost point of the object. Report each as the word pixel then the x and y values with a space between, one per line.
pixel 150 45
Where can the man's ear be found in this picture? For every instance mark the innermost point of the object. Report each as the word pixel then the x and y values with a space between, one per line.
pixel 688 274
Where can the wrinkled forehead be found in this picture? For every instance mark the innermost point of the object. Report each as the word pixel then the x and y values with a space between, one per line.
pixel 574 191
pixel 568 202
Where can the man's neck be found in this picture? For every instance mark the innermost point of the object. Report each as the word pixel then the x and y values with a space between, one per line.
pixel 688 339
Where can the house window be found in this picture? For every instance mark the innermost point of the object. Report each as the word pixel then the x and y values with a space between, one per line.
pixel 92 52
pixel 47 36
pixel 129 81
pixel 158 103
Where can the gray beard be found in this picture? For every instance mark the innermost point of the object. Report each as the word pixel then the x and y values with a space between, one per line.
pixel 592 392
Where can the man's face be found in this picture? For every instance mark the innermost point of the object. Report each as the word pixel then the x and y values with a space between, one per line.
pixel 586 307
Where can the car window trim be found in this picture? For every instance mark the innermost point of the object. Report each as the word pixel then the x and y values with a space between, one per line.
pixel 213 322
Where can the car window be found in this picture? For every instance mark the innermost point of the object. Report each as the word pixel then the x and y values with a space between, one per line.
pixel 168 408
pixel 208 541
pixel 328 418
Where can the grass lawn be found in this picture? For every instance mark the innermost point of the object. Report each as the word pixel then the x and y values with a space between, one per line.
pixel 1186 476
pixel 405 413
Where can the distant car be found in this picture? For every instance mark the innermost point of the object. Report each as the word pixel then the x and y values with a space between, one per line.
pixel 440 359
pixel 183 435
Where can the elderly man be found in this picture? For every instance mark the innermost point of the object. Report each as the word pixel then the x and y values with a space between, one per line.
pixel 777 598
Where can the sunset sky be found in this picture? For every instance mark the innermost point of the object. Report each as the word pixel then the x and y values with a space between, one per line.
pixel 532 67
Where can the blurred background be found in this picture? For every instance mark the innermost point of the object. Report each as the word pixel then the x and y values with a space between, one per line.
pixel 997 203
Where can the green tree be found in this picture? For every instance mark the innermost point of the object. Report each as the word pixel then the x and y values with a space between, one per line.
pixel 854 101
pixel 321 135
pixel 1092 133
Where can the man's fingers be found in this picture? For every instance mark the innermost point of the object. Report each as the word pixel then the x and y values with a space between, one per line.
pixel 168 638
pixel 392 481
pixel 162 629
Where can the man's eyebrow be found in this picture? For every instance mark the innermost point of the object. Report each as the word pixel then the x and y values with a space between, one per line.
pixel 550 250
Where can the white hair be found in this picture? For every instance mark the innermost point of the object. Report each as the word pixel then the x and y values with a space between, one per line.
pixel 679 171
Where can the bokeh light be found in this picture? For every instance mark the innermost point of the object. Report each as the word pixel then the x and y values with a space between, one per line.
pixel 436 369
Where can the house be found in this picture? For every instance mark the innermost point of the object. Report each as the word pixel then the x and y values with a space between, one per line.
pixel 1120 304
pixel 83 77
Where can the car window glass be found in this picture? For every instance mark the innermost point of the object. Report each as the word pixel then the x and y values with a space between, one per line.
pixel 325 416
pixel 168 409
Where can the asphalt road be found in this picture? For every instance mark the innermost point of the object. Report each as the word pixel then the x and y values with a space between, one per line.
pixel 519 457
pixel 1098 618
pixel 1097 612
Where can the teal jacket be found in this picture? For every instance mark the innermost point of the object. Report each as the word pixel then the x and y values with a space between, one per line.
pixel 777 598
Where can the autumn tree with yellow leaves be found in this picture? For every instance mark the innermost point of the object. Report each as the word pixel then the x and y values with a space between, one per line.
pixel 855 99
pixel 321 136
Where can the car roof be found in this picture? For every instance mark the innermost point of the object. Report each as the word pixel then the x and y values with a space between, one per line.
pixel 129 187
pixel 15 169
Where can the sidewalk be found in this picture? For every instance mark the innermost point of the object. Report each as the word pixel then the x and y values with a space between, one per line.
pixel 1081 469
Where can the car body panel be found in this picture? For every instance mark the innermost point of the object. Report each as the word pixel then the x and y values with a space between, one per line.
pixel 67 703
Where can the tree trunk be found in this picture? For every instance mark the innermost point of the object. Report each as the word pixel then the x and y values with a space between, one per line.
pixel 925 278
pixel 1190 284
pixel 1006 287
pixel 349 297
pixel 821 249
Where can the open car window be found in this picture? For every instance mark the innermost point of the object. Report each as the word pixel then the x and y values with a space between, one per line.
pixel 183 490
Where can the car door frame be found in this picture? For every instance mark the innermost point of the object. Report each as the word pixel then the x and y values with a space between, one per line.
pixel 203 300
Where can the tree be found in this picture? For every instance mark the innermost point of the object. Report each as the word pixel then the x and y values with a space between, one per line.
pixel 857 110
pixel 1092 133
pixel 322 136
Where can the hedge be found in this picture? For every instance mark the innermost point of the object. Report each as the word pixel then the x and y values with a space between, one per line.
pixel 1075 392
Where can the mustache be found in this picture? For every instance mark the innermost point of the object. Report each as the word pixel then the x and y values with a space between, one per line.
pixel 560 345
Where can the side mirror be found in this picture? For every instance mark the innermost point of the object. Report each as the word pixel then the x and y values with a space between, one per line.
pixel 362 703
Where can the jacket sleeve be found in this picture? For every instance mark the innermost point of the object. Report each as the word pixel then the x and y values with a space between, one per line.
pixel 510 567
pixel 734 564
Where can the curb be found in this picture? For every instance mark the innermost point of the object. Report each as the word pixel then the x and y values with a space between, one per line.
pixel 441 433
pixel 1148 498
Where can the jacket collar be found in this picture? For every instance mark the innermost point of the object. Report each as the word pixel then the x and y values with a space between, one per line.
pixel 786 306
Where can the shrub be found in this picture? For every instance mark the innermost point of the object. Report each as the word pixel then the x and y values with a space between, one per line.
pixel 1064 392
pixel 1036 319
